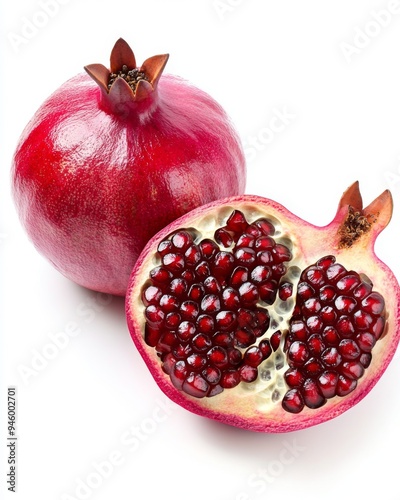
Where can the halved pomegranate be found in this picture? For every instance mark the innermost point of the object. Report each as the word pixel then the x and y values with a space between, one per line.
pixel 246 314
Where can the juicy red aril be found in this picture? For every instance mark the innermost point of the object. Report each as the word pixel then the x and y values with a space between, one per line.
pixel 328 348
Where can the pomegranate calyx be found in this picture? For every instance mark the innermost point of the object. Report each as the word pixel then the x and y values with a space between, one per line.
pixel 124 81
pixel 357 221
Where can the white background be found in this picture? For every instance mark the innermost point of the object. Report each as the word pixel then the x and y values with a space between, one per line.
pixel 335 68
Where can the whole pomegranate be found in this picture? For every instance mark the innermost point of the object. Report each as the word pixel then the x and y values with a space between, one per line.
pixel 246 314
pixel 111 158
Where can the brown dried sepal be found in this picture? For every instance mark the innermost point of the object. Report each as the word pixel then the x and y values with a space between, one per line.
pixel 136 83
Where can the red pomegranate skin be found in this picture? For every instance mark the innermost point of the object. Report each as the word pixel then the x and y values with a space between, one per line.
pixel 93 183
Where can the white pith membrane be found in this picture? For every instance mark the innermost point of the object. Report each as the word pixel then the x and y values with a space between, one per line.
pixel 261 399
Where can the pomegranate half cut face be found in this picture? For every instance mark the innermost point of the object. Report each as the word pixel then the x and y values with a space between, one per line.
pixel 248 315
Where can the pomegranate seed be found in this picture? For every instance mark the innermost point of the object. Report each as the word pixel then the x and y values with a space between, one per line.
pixel 349 349
pixel 201 342
pixel 168 363
pixel 181 240
pixel 373 303
pixel 326 262
pixel 173 262
pixel 253 356
pixel 298 330
pixel 212 374
pixel 254 230
pixel 230 298
pixel 260 274
pixel 239 276
pixel 265 226
pixel 223 339
pixel 328 315
pixel 154 315
pixel 188 275
pixel 334 272
pixel 312 395
pixel 196 385
pixel 196 292
pixel 208 248
pixel 362 290
pixel 305 290
pixel 330 336
pixel 169 303
pixel 178 287
pixel 234 356
pixel 182 351
pixel 205 323
pixel 365 359
pixel 315 345
pixel 248 293
pixel 293 401
pixel 189 310
pixel 161 275
pixel 276 340
pixel 312 367
pixel 230 379
pixel 281 253
pixel 314 324
pixel 331 357
pixel 264 257
pixel 192 256
pixel 245 241
pixel 151 295
pixel 210 303
pixel 267 291
pixel 315 276
pixel 345 327
pixel 245 256
pixel 186 331
pixel 362 320
pixel 264 243
pixel 225 320
pixel 378 327
pixel 248 373
pixel 223 237
pixel 352 369
pixel 223 261
pixel 327 383
pixel 285 291
pixel 211 285
pixel 348 282
pixel 178 374
pixel 196 361
pixel 244 337
pixel 311 306
pixel 218 357
pixel 294 377
pixel 237 222
pixel 345 385
pixel 366 341
pixel 165 247
pixel 151 335
pixel 345 305
pixel 327 293
pixel 265 348
pixel 172 320
pixel 298 353
pixel 202 270
pixel 166 342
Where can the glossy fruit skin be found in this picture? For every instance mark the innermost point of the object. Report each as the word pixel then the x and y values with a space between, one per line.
pixel 93 182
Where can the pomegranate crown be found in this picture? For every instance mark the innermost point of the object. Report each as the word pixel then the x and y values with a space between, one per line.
pixel 124 78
